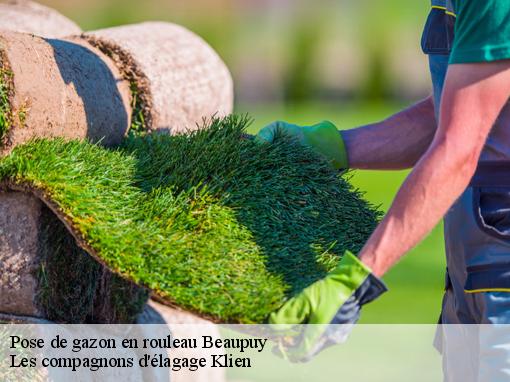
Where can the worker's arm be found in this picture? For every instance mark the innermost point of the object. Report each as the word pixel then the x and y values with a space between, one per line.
pixel 472 99
pixel 473 96
pixel 395 143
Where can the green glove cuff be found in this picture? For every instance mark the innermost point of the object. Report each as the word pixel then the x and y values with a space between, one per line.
pixel 320 302
pixel 327 140
pixel 351 270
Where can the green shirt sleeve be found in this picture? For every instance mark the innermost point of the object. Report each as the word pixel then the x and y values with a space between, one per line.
pixel 482 31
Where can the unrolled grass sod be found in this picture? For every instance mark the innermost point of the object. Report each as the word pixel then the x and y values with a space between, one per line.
pixel 211 222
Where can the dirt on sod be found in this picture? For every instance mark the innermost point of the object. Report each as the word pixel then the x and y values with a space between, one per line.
pixel 19 214
pixel 63 88
pixel 210 222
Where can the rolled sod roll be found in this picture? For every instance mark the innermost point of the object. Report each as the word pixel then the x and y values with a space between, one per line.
pixel 177 79
pixel 210 222
pixel 59 88
pixel 29 17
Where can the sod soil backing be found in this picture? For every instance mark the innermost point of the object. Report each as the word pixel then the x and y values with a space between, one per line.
pixel 210 222
pixel 19 218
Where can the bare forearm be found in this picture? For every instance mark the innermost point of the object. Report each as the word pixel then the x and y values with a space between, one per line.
pixel 473 97
pixel 395 143
pixel 422 201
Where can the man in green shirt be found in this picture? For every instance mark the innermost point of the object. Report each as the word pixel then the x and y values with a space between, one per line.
pixel 458 144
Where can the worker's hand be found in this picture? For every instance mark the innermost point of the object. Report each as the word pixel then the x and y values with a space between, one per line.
pixel 330 307
pixel 323 137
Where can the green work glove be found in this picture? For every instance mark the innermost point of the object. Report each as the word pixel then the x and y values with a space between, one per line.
pixel 323 137
pixel 330 307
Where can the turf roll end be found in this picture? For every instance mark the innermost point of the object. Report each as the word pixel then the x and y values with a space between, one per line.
pixel 19 219
pixel 176 77
pixel 141 101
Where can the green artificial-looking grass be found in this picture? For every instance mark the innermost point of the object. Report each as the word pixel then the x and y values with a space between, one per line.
pixel 211 222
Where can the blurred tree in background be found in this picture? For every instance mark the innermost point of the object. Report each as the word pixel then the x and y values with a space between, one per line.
pixel 292 51
pixel 300 79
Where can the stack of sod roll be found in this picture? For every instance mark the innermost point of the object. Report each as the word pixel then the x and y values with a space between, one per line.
pixel 103 209
pixel 55 82
pixel 68 88
pixel 100 86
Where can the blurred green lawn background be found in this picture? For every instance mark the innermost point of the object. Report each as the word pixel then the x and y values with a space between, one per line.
pixel 292 51
pixel 349 61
